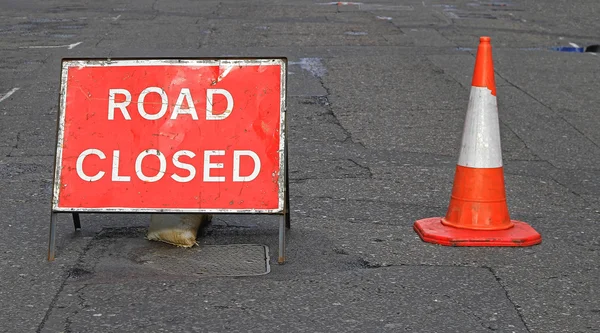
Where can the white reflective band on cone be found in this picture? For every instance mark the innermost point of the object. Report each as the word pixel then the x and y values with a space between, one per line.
pixel 480 146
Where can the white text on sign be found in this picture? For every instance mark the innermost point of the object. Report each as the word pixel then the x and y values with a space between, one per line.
pixel 184 95
pixel 208 165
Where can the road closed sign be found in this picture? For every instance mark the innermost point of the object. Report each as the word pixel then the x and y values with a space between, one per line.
pixel 171 136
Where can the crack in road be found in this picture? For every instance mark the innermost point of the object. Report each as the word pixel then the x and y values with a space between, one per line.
pixel 515 306
pixel 557 114
pixel 369 265
pixel 329 108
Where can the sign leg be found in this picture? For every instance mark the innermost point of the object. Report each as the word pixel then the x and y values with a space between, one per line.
pixel 287 219
pixel 282 229
pixel 287 203
pixel 287 188
pixel 76 221
pixel 52 240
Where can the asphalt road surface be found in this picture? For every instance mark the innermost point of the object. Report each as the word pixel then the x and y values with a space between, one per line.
pixel 377 98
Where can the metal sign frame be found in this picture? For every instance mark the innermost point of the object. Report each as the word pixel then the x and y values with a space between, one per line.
pixel 283 183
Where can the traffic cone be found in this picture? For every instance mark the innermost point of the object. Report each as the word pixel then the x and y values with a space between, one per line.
pixel 478 214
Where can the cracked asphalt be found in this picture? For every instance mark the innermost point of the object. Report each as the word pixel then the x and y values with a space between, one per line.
pixel 377 97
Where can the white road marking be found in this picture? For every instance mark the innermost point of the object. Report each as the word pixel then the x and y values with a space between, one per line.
pixel 339 3
pixel 312 65
pixel 573 44
pixel 12 91
pixel 69 46
pixel 451 15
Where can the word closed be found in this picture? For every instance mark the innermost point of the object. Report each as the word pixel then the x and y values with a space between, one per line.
pixel 169 135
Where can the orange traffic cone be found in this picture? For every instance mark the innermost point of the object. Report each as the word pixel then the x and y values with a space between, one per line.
pixel 478 214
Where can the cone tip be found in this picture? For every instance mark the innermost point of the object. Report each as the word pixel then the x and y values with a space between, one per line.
pixel 483 76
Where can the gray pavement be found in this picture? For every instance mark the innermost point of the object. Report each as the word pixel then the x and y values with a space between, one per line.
pixel 377 97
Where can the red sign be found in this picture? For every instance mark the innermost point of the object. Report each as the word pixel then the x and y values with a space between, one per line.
pixel 171 135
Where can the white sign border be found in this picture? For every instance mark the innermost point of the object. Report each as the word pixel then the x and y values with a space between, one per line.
pixel 68 63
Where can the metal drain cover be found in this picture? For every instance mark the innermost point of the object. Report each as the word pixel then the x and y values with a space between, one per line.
pixel 123 254
pixel 211 260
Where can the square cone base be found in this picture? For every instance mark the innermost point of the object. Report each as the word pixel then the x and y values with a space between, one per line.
pixel 432 230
